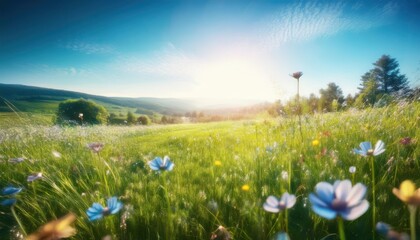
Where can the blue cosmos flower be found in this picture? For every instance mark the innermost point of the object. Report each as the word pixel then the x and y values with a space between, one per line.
pixel 10 190
pixel 157 164
pixel 367 150
pixel 97 211
pixel 8 202
pixel 340 199
pixel 275 205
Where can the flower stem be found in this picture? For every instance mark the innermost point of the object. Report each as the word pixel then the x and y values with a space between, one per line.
pixel 341 228
pixel 299 111
pixel 18 220
pixel 372 161
pixel 168 224
pixel 412 210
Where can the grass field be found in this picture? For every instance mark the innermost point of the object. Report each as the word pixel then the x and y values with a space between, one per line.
pixel 213 162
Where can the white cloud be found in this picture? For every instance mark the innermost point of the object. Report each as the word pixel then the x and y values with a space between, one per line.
pixel 308 20
pixel 90 48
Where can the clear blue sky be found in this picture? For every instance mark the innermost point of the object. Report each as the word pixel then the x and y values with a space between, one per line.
pixel 207 49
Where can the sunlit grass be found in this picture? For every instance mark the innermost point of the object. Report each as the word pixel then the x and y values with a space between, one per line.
pixel 223 174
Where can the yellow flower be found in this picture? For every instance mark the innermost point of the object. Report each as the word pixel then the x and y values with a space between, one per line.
pixel 217 163
pixel 245 187
pixel 315 142
pixel 56 229
pixel 408 193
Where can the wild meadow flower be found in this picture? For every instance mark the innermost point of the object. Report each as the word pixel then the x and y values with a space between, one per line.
pixel 56 229
pixel 367 150
pixel 297 75
pixel 217 163
pixel 34 177
pixel 245 187
pixel 339 200
pixel 10 191
pixel 284 175
pixel 95 146
pixel 281 236
pixel 16 160
pixel 407 141
pixel 408 193
pixel 97 211
pixel 387 231
pixel 275 205
pixel 8 202
pixel 56 154
pixel 221 233
pixel 315 142
pixel 352 169
pixel 158 164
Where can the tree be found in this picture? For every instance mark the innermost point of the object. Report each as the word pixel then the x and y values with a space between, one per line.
pixel 131 119
pixel 328 95
pixel 143 120
pixel 368 95
pixel 386 74
pixel 81 111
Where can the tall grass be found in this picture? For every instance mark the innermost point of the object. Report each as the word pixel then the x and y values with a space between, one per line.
pixel 198 196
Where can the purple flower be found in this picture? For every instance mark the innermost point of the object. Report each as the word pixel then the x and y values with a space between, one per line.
pixel 367 150
pixel 97 211
pixel 275 205
pixel 158 164
pixel 340 199
pixel 34 177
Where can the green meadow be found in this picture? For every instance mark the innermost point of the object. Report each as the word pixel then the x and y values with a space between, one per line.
pixel 223 174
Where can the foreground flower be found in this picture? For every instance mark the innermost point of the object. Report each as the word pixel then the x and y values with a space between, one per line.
pixel 10 190
pixel 95 147
pixel 408 193
pixel 386 231
pixel 297 75
pixel 56 229
pixel 366 149
pixel 97 211
pixel 275 205
pixel 158 164
pixel 340 199
pixel 221 233
pixel 34 177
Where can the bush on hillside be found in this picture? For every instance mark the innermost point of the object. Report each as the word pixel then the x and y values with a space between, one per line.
pixel 80 111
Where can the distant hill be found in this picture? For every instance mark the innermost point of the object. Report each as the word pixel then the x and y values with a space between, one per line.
pixel 22 98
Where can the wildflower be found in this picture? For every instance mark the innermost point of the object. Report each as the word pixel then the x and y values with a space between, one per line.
pixel 217 163
pixel 366 149
pixel 10 190
pixel 315 142
pixel 56 154
pixel 386 231
pixel 275 205
pixel 245 187
pixel 408 193
pixel 221 233
pixel 16 160
pixel 95 147
pixel 284 175
pixel 339 199
pixel 81 115
pixel 8 202
pixel 34 177
pixel 56 229
pixel 97 211
pixel 213 206
pixel 157 164
pixel 352 169
pixel 407 141
pixel 297 75
pixel 282 236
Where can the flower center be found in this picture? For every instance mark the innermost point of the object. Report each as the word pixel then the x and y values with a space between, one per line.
pixel 106 211
pixel 339 205
pixel 370 152
pixel 282 205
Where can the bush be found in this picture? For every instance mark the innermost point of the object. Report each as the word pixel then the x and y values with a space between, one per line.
pixel 80 111
pixel 143 120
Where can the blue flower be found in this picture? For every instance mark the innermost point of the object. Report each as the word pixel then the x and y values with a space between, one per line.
pixel 8 202
pixel 387 231
pixel 97 211
pixel 340 199
pixel 275 205
pixel 10 190
pixel 367 150
pixel 157 164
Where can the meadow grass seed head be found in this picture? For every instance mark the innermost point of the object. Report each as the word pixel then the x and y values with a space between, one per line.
pixel 95 146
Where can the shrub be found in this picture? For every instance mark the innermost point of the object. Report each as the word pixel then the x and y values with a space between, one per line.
pixel 80 111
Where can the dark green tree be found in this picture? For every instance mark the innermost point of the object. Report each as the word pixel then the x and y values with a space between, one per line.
pixel 328 95
pixel 131 119
pixel 387 75
pixel 81 111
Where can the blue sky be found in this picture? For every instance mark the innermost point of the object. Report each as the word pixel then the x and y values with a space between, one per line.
pixel 204 49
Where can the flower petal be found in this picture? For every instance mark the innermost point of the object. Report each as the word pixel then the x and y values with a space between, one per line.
pixel 342 189
pixel 324 191
pixel 379 148
pixel 355 195
pixel 272 201
pixel 291 201
pixel 270 208
pixel 357 211
pixel 365 146
pixel 316 201
pixel 170 166
pixel 324 212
